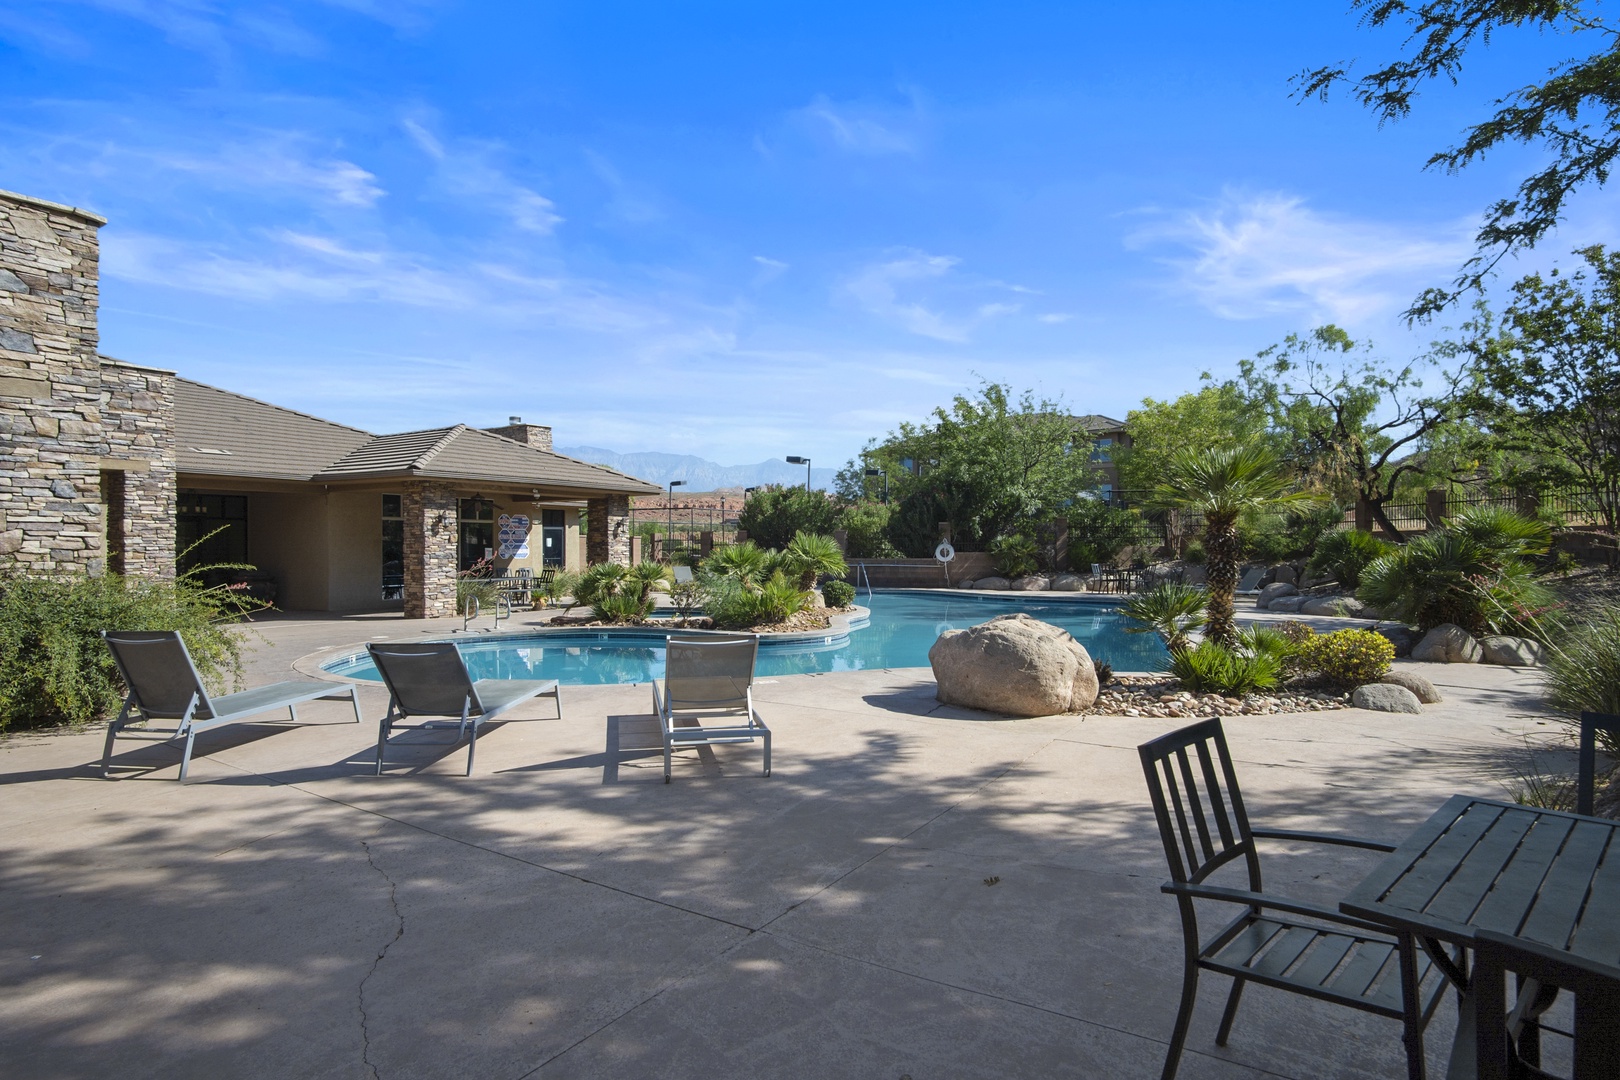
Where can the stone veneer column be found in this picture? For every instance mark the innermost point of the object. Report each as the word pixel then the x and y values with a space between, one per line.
pixel 137 406
pixel 50 386
pixel 608 538
pixel 430 549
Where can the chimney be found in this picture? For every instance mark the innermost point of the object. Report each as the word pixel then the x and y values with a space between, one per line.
pixel 535 435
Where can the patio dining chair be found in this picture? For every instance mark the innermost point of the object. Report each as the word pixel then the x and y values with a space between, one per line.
pixel 1324 955
pixel 163 684
pixel 429 679
pixel 1508 1043
pixel 708 695
pixel 1586 774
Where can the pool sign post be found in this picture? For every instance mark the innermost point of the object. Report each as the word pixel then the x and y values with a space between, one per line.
pixel 945 553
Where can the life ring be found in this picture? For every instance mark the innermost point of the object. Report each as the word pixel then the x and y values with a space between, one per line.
pixel 945 553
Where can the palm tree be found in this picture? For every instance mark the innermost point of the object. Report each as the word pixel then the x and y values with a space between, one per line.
pixel 810 556
pixel 1222 484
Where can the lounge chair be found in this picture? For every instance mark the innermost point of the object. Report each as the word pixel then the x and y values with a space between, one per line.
pixel 707 678
pixel 1250 585
pixel 164 685
pixel 683 575
pixel 428 678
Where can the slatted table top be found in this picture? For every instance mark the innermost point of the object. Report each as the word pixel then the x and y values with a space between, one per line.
pixel 1478 864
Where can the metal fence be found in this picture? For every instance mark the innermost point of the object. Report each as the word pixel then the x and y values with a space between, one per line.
pixel 1571 507
pixel 669 531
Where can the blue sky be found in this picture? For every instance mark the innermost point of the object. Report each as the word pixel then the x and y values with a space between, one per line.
pixel 739 230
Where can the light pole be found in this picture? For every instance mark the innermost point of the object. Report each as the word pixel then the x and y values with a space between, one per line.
pixel 669 507
pixel 885 474
pixel 796 460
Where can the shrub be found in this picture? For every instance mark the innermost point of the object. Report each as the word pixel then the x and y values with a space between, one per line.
pixel 1297 632
pixel 1274 537
pixel 54 666
pixel 867 527
pixel 1196 554
pixel 622 608
pixel 1170 610
pixel 470 589
pixel 1104 671
pixel 1272 642
pixel 618 593
pixel 1583 669
pixel 1349 657
pixel 1013 556
pixel 1105 530
pixel 1212 668
pixel 838 593
pixel 734 606
pixel 747 563
pixel 686 597
pixel 1344 554
pixel 773 515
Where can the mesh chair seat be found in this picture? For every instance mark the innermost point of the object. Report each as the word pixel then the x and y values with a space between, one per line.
pixel 708 694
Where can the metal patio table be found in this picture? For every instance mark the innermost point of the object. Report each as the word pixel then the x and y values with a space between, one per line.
pixel 1538 876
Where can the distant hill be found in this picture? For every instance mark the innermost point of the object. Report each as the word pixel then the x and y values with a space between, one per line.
pixel 700 475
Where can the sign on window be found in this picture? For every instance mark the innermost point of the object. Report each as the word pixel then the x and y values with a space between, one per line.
pixel 513 536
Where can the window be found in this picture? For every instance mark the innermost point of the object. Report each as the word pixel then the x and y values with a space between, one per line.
pixel 553 531
pixel 210 529
pixel 393 547
pixel 477 521
pixel 1104 449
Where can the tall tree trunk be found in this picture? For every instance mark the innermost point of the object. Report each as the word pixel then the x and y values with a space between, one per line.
pixel 1221 545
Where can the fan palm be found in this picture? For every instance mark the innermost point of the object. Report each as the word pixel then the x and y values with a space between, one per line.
pixel 1171 610
pixel 1223 483
pixel 810 555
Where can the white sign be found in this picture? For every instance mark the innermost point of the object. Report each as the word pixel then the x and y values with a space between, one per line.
pixel 513 536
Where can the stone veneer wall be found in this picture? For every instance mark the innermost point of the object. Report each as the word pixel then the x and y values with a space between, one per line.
pixel 137 413
pixel 608 538
pixel 50 386
pixel 535 435
pixel 430 549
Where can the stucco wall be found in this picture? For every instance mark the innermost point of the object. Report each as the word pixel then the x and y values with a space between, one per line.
pixel 288 536
pixel 354 538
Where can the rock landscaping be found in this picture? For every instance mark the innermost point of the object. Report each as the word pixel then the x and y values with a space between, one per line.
pixel 1448 643
pixel 1014 665
pixel 1161 696
pixel 1421 688
pixel 1386 697
pixel 1513 651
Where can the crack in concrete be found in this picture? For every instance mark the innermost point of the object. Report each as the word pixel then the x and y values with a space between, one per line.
pixel 399 932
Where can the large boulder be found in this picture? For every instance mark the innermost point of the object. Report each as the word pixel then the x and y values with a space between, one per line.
pixel 1513 651
pixel 1448 643
pixel 1421 688
pixel 1274 591
pixel 993 583
pixel 1033 583
pixel 1386 697
pixel 1284 574
pixel 1345 607
pixel 1402 637
pixel 1288 605
pixel 1068 583
pixel 1015 665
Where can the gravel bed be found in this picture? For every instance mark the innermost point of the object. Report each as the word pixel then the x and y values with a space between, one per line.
pixel 1137 695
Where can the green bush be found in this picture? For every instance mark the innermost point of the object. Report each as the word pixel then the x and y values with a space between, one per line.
pixel 809 556
pixel 747 563
pixel 470 589
pixel 1583 669
pixel 1170 610
pixel 618 593
pixel 1196 554
pixel 622 608
pixel 1014 556
pixel 838 593
pixel 867 526
pixel 1349 657
pixel 54 666
pixel 1099 532
pixel 1273 642
pixel 1275 537
pixel 773 515
pixel 1472 573
pixel 1344 554
pixel 1212 668
pixel 734 606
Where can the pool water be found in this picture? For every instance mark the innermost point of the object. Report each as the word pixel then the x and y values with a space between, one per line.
pixel 903 626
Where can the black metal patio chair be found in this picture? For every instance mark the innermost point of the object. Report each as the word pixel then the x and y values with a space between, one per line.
pixel 1331 957
pixel 1508 1044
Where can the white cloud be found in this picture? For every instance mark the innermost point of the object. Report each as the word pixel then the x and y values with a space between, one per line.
pixel 769 269
pixel 878 289
pixel 864 129
pixel 466 169
pixel 1256 255
pixel 1054 317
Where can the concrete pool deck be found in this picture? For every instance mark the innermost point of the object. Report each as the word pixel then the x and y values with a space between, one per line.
pixel 917 891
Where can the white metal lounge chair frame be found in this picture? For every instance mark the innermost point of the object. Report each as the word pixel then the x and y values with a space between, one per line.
pixel 479 701
pixel 672 708
pixel 199 712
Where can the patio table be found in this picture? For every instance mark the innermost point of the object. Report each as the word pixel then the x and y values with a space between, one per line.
pixel 1533 875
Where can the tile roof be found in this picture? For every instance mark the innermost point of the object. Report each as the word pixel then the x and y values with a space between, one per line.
pixel 219 433
pixel 225 434
pixel 467 453
pixel 1095 422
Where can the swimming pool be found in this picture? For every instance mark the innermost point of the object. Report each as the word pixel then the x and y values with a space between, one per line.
pixel 902 627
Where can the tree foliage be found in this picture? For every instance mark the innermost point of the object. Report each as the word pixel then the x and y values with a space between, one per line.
pixel 774 515
pixel 1549 376
pixel 1198 421
pixel 1571 117
pixel 991 465
pixel 1348 422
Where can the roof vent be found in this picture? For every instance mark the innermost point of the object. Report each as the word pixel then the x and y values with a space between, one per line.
pixel 514 419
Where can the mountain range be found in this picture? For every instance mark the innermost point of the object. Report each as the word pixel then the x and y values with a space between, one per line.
pixel 699 474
